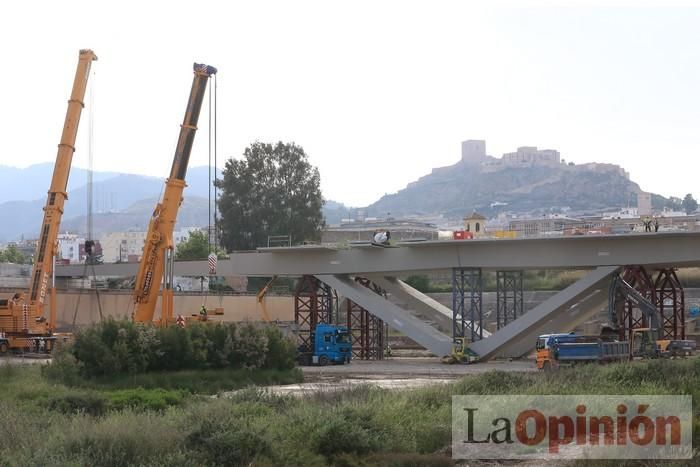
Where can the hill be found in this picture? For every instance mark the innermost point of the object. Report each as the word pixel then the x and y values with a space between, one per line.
pixel 457 190
pixel 192 213
pixel 113 193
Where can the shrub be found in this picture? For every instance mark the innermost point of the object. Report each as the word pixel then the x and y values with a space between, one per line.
pixel 145 399
pixel 420 283
pixel 223 435
pixel 349 430
pixel 122 347
pixel 281 351
pixel 89 403
pixel 124 438
pixel 397 459
pixel 64 367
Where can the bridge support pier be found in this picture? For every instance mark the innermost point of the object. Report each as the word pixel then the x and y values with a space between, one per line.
pixel 398 318
pixel 467 292
pixel 665 292
pixel 671 303
pixel 313 304
pixel 509 297
pixel 628 315
pixel 367 332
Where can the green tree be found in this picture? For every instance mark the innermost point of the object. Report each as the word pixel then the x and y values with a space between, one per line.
pixel 12 255
pixel 673 203
pixel 689 204
pixel 420 283
pixel 195 247
pixel 273 190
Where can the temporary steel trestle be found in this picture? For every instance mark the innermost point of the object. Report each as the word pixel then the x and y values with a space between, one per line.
pixel 665 292
pixel 509 297
pixel 368 333
pixel 467 313
pixel 313 303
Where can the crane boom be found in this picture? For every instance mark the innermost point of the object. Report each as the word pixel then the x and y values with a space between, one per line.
pixel 630 293
pixel 158 250
pixel 22 317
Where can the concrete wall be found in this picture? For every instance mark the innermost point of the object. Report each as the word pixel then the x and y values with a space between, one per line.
pixel 120 304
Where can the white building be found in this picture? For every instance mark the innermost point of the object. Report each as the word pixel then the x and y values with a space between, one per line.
pixel 69 247
pixel 644 203
pixel 118 246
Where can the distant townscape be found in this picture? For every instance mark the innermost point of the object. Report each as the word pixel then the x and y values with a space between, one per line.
pixel 526 192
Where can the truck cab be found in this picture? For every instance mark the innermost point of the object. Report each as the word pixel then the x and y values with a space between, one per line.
pixel 331 344
pixel 545 342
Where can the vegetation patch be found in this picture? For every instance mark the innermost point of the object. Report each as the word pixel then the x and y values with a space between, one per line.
pixel 45 422
pixel 115 348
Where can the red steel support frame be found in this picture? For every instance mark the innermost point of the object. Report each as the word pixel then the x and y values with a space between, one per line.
pixel 665 292
pixel 313 304
pixel 630 317
pixel 368 333
pixel 670 303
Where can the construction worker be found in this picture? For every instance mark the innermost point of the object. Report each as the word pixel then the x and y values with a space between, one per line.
pixel 180 321
pixel 381 237
pixel 203 313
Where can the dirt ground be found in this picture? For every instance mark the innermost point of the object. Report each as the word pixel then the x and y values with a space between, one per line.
pixel 395 373
pixel 409 368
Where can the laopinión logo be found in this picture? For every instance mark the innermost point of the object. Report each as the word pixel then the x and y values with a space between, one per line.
pixel 572 427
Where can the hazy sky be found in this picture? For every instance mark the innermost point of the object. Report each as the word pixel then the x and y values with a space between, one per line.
pixel 377 92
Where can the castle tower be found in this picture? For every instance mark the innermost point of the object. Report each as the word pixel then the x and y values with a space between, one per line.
pixel 473 151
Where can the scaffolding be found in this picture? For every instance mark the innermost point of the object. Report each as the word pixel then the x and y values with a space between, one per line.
pixel 367 332
pixel 467 295
pixel 670 303
pixel 313 303
pixel 509 297
pixel 629 316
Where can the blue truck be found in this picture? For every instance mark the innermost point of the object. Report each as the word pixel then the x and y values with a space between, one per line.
pixel 555 350
pixel 331 345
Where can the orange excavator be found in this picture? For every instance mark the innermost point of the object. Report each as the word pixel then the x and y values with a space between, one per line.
pixel 158 251
pixel 23 325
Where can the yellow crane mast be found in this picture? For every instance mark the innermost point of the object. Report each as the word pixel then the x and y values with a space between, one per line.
pixel 158 251
pixel 22 321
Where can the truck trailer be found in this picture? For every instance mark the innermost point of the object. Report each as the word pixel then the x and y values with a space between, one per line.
pixel 554 350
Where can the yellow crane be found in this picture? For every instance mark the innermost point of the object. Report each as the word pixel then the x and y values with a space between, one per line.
pixel 261 299
pixel 158 251
pixel 23 325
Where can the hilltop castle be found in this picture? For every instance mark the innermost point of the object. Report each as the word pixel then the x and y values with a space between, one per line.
pixel 474 154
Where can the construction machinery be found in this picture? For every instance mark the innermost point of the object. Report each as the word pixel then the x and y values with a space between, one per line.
pixel 158 251
pixel 645 342
pixel 329 344
pixel 554 350
pixel 23 324
pixel 261 298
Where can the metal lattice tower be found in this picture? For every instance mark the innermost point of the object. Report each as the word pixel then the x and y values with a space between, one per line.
pixel 670 303
pixel 368 333
pixel 628 315
pixel 509 297
pixel 313 304
pixel 467 311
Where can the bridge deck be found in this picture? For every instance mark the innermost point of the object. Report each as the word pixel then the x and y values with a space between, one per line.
pixel 583 252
